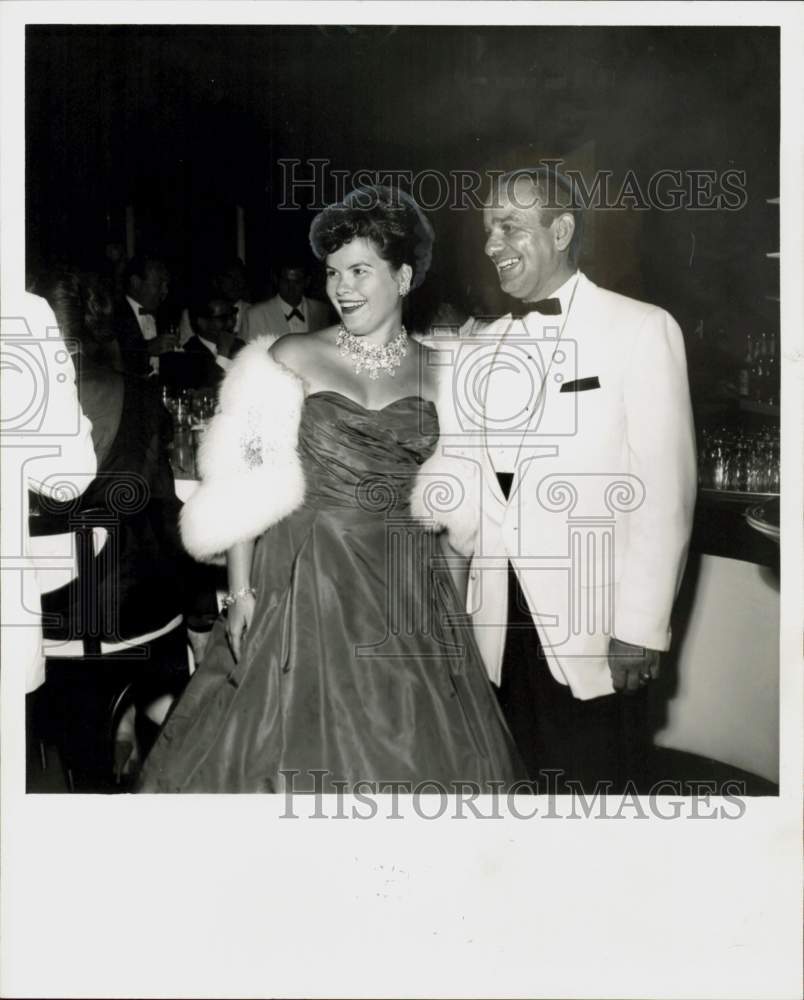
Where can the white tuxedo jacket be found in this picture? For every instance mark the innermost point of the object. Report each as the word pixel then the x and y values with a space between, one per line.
pixel 268 318
pixel 47 447
pixel 599 515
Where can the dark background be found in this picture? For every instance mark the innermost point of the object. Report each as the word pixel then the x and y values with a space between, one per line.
pixel 186 122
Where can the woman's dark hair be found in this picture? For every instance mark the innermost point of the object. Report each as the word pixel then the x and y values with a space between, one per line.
pixel 82 307
pixel 387 217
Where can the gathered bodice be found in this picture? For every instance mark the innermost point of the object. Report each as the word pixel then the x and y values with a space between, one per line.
pixel 361 459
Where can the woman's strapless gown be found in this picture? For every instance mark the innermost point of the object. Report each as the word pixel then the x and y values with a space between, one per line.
pixel 356 663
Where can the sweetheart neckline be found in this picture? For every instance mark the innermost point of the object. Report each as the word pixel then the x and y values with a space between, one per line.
pixel 368 409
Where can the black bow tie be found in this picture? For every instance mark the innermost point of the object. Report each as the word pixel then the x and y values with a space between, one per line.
pixel 547 307
pixel 144 312
pixel 295 312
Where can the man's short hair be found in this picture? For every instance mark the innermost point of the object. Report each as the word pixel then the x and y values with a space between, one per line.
pixel 292 262
pixel 139 265
pixel 226 265
pixel 557 195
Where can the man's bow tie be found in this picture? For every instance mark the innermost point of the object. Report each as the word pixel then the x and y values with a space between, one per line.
pixel 547 307
pixel 144 311
pixel 295 312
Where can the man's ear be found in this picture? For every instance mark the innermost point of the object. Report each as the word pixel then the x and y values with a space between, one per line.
pixel 563 229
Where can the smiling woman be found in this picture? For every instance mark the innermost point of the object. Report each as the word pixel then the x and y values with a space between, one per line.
pixel 366 291
pixel 342 661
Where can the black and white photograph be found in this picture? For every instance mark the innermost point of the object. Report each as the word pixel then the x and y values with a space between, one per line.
pixel 401 446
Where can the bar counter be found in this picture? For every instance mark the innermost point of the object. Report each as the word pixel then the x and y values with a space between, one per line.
pixel 720 528
pixel 718 694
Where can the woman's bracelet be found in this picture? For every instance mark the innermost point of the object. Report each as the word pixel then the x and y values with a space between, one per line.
pixel 231 598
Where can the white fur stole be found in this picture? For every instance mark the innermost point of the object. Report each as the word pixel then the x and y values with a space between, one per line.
pixel 251 475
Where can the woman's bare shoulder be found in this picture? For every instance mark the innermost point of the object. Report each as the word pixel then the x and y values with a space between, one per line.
pixel 288 348
pixel 300 351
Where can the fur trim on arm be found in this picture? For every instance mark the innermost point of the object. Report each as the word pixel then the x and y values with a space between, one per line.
pixel 446 493
pixel 251 475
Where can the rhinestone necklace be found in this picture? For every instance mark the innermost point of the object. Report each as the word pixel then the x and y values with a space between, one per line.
pixel 374 358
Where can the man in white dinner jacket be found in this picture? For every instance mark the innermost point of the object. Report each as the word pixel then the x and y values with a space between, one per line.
pixel 588 481
pixel 290 310
pixel 47 448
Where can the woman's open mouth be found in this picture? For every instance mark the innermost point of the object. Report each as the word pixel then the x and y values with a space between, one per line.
pixel 350 306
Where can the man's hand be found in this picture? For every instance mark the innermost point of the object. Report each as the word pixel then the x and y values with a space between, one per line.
pixel 632 666
pixel 162 344
pixel 226 343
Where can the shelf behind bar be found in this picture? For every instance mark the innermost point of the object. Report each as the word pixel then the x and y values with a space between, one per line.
pixel 734 496
pixel 766 409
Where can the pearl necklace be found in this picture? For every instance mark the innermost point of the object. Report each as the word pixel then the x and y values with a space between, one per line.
pixel 374 358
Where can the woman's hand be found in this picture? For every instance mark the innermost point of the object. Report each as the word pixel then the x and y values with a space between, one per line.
pixel 238 620
pixel 241 610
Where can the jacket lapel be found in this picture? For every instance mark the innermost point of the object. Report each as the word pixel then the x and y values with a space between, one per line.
pixel 489 475
pixel 542 400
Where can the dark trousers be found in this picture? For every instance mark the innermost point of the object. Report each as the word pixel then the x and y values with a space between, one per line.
pixel 599 740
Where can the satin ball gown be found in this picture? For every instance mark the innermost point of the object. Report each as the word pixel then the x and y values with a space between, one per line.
pixel 359 662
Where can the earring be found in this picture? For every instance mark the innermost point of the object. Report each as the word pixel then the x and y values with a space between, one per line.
pixel 404 288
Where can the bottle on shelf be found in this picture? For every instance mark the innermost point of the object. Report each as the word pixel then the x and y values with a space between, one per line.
pixel 744 374
pixel 764 345
pixel 758 371
pixel 772 394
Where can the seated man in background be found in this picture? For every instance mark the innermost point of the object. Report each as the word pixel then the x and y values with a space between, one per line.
pixel 208 352
pixel 290 310
pixel 229 283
